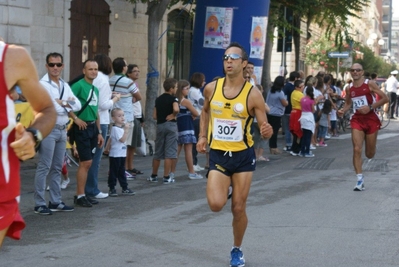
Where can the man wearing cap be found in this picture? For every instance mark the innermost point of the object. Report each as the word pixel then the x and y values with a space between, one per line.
pixel 392 86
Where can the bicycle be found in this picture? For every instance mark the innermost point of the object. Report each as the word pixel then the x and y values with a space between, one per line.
pixel 344 121
pixel 384 115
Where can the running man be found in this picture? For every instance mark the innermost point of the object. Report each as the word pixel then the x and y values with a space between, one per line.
pixel 364 122
pixel 230 106
pixel 18 143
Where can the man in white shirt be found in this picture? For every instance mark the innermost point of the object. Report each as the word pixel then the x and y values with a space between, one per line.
pixel 392 86
pixel 52 148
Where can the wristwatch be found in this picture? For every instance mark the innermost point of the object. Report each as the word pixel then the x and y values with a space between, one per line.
pixel 100 132
pixel 64 103
pixel 37 136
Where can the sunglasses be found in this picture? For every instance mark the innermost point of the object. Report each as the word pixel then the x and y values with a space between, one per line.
pixel 355 70
pixel 51 65
pixel 232 56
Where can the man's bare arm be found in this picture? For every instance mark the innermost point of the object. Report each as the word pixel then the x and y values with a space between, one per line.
pixel 20 70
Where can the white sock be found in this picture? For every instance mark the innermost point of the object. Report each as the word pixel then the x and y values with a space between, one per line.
pixel 359 176
pixel 79 196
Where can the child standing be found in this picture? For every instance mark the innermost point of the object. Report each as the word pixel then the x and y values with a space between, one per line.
pixel 117 154
pixel 185 126
pixel 165 111
pixel 307 122
pixel 333 119
pixel 323 123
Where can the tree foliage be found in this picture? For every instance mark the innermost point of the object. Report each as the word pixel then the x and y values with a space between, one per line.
pixel 330 15
pixel 155 12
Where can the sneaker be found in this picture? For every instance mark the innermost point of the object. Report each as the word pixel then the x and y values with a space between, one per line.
pixel 198 168
pixel 287 148
pixel 194 176
pixel 310 155
pixel 43 210
pixel 293 153
pixel 301 155
pixel 112 193
pixel 230 194
pixel 83 202
pixel 172 175
pixel 328 136
pixel 237 258
pixel 129 176
pixel 65 183
pixel 128 192
pixel 153 179
pixel 59 207
pixel 168 180
pixel 92 201
pixel 312 147
pixel 322 144
pixel 134 171
pixel 101 195
pixel 359 185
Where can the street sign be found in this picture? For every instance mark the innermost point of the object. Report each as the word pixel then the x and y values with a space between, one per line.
pixel 347 63
pixel 337 54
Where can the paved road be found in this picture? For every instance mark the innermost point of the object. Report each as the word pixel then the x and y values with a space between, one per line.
pixel 302 212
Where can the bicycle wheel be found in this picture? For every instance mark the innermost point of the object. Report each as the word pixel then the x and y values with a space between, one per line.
pixel 384 117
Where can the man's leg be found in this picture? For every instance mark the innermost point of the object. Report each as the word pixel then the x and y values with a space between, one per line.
pixel 241 184
pixel 217 189
pixel 46 153
pixel 91 187
pixel 3 235
pixel 81 176
pixel 371 144
pixel 56 167
pixel 357 141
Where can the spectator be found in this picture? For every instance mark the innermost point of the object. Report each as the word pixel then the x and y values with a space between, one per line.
pixel 53 147
pixel 196 98
pixel 117 154
pixel 165 111
pixel 106 100
pixel 86 129
pixel 277 103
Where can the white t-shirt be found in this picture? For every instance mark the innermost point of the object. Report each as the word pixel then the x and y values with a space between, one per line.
pixel 118 149
pixel 391 84
pixel 196 98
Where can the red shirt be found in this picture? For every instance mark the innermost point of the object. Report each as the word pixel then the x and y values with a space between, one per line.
pixel 361 96
pixel 9 162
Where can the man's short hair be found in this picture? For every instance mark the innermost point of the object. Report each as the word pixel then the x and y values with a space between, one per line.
pixel 54 54
pixel 88 60
pixel 244 54
pixel 118 64
pixel 293 76
pixel 169 83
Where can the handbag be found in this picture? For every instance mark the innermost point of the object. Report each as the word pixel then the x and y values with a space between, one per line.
pixel 71 131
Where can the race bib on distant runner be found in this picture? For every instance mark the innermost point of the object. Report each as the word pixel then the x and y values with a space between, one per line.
pixel 358 102
pixel 227 130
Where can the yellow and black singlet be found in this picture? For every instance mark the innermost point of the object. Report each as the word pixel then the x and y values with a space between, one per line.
pixel 230 122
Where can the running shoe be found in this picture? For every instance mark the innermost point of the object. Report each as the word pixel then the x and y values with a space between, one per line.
pixel 169 180
pixel 359 185
pixel 293 153
pixel 128 192
pixel 194 176
pixel 198 168
pixel 237 258
pixel 312 147
pixel 153 179
pixel 65 183
pixel 229 195
pixel 129 176
pixel 112 193
pixel 309 155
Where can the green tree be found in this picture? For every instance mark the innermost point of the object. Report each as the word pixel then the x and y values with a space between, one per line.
pixel 331 15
